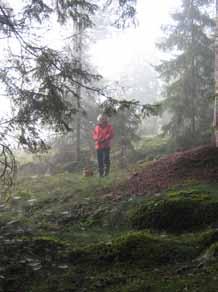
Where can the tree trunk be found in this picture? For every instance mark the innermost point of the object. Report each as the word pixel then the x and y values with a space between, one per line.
pixel 193 85
pixel 78 50
pixel 215 120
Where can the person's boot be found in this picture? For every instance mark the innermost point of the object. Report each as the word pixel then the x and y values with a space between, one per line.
pixel 100 173
pixel 107 171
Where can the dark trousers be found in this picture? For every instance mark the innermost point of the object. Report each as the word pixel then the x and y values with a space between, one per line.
pixel 103 156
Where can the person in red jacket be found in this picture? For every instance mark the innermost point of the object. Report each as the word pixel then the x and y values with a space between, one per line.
pixel 102 135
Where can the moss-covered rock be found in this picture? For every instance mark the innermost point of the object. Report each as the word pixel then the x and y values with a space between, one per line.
pixel 175 215
pixel 76 238
pixel 136 248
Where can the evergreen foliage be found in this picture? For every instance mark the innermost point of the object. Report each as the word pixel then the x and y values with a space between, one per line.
pixel 39 79
pixel 189 75
pixel 42 82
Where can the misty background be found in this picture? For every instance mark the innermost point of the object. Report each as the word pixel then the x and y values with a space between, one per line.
pixel 140 66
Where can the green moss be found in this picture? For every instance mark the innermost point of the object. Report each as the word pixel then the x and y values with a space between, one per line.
pixel 175 215
pixel 192 193
pixel 137 261
pixel 137 248
pixel 22 194
pixel 193 190
pixel 206 239
pixel 210 254
pixel 87 244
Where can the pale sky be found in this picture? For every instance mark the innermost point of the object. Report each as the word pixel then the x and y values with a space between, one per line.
pixel 111 55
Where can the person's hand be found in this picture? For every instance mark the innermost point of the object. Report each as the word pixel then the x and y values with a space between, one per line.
pixel 102 141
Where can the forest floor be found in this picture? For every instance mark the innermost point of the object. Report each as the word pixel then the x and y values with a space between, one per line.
pixel 155 229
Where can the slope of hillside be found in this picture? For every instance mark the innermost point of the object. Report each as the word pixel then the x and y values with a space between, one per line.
pixel 67 233
pixel 196 164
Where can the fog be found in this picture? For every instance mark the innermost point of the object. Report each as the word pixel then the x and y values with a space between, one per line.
pixel 124 57
pixel 108 145
pixel 121 47
pixel 110 54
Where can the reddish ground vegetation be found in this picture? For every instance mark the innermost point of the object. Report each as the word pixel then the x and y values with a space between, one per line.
pixel 200 163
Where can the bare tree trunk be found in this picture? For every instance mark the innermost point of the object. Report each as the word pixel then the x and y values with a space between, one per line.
pixel 123 153
pixel 78 144
pixel 193 85
pixel 78 50
pixel 215 118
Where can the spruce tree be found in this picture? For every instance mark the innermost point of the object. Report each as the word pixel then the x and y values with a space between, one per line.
pixel 189 75
pixel 36 77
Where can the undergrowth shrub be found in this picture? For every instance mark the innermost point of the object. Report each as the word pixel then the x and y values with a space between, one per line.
pixel 154 147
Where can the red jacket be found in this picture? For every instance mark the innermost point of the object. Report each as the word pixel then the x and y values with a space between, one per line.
pixel 103 136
